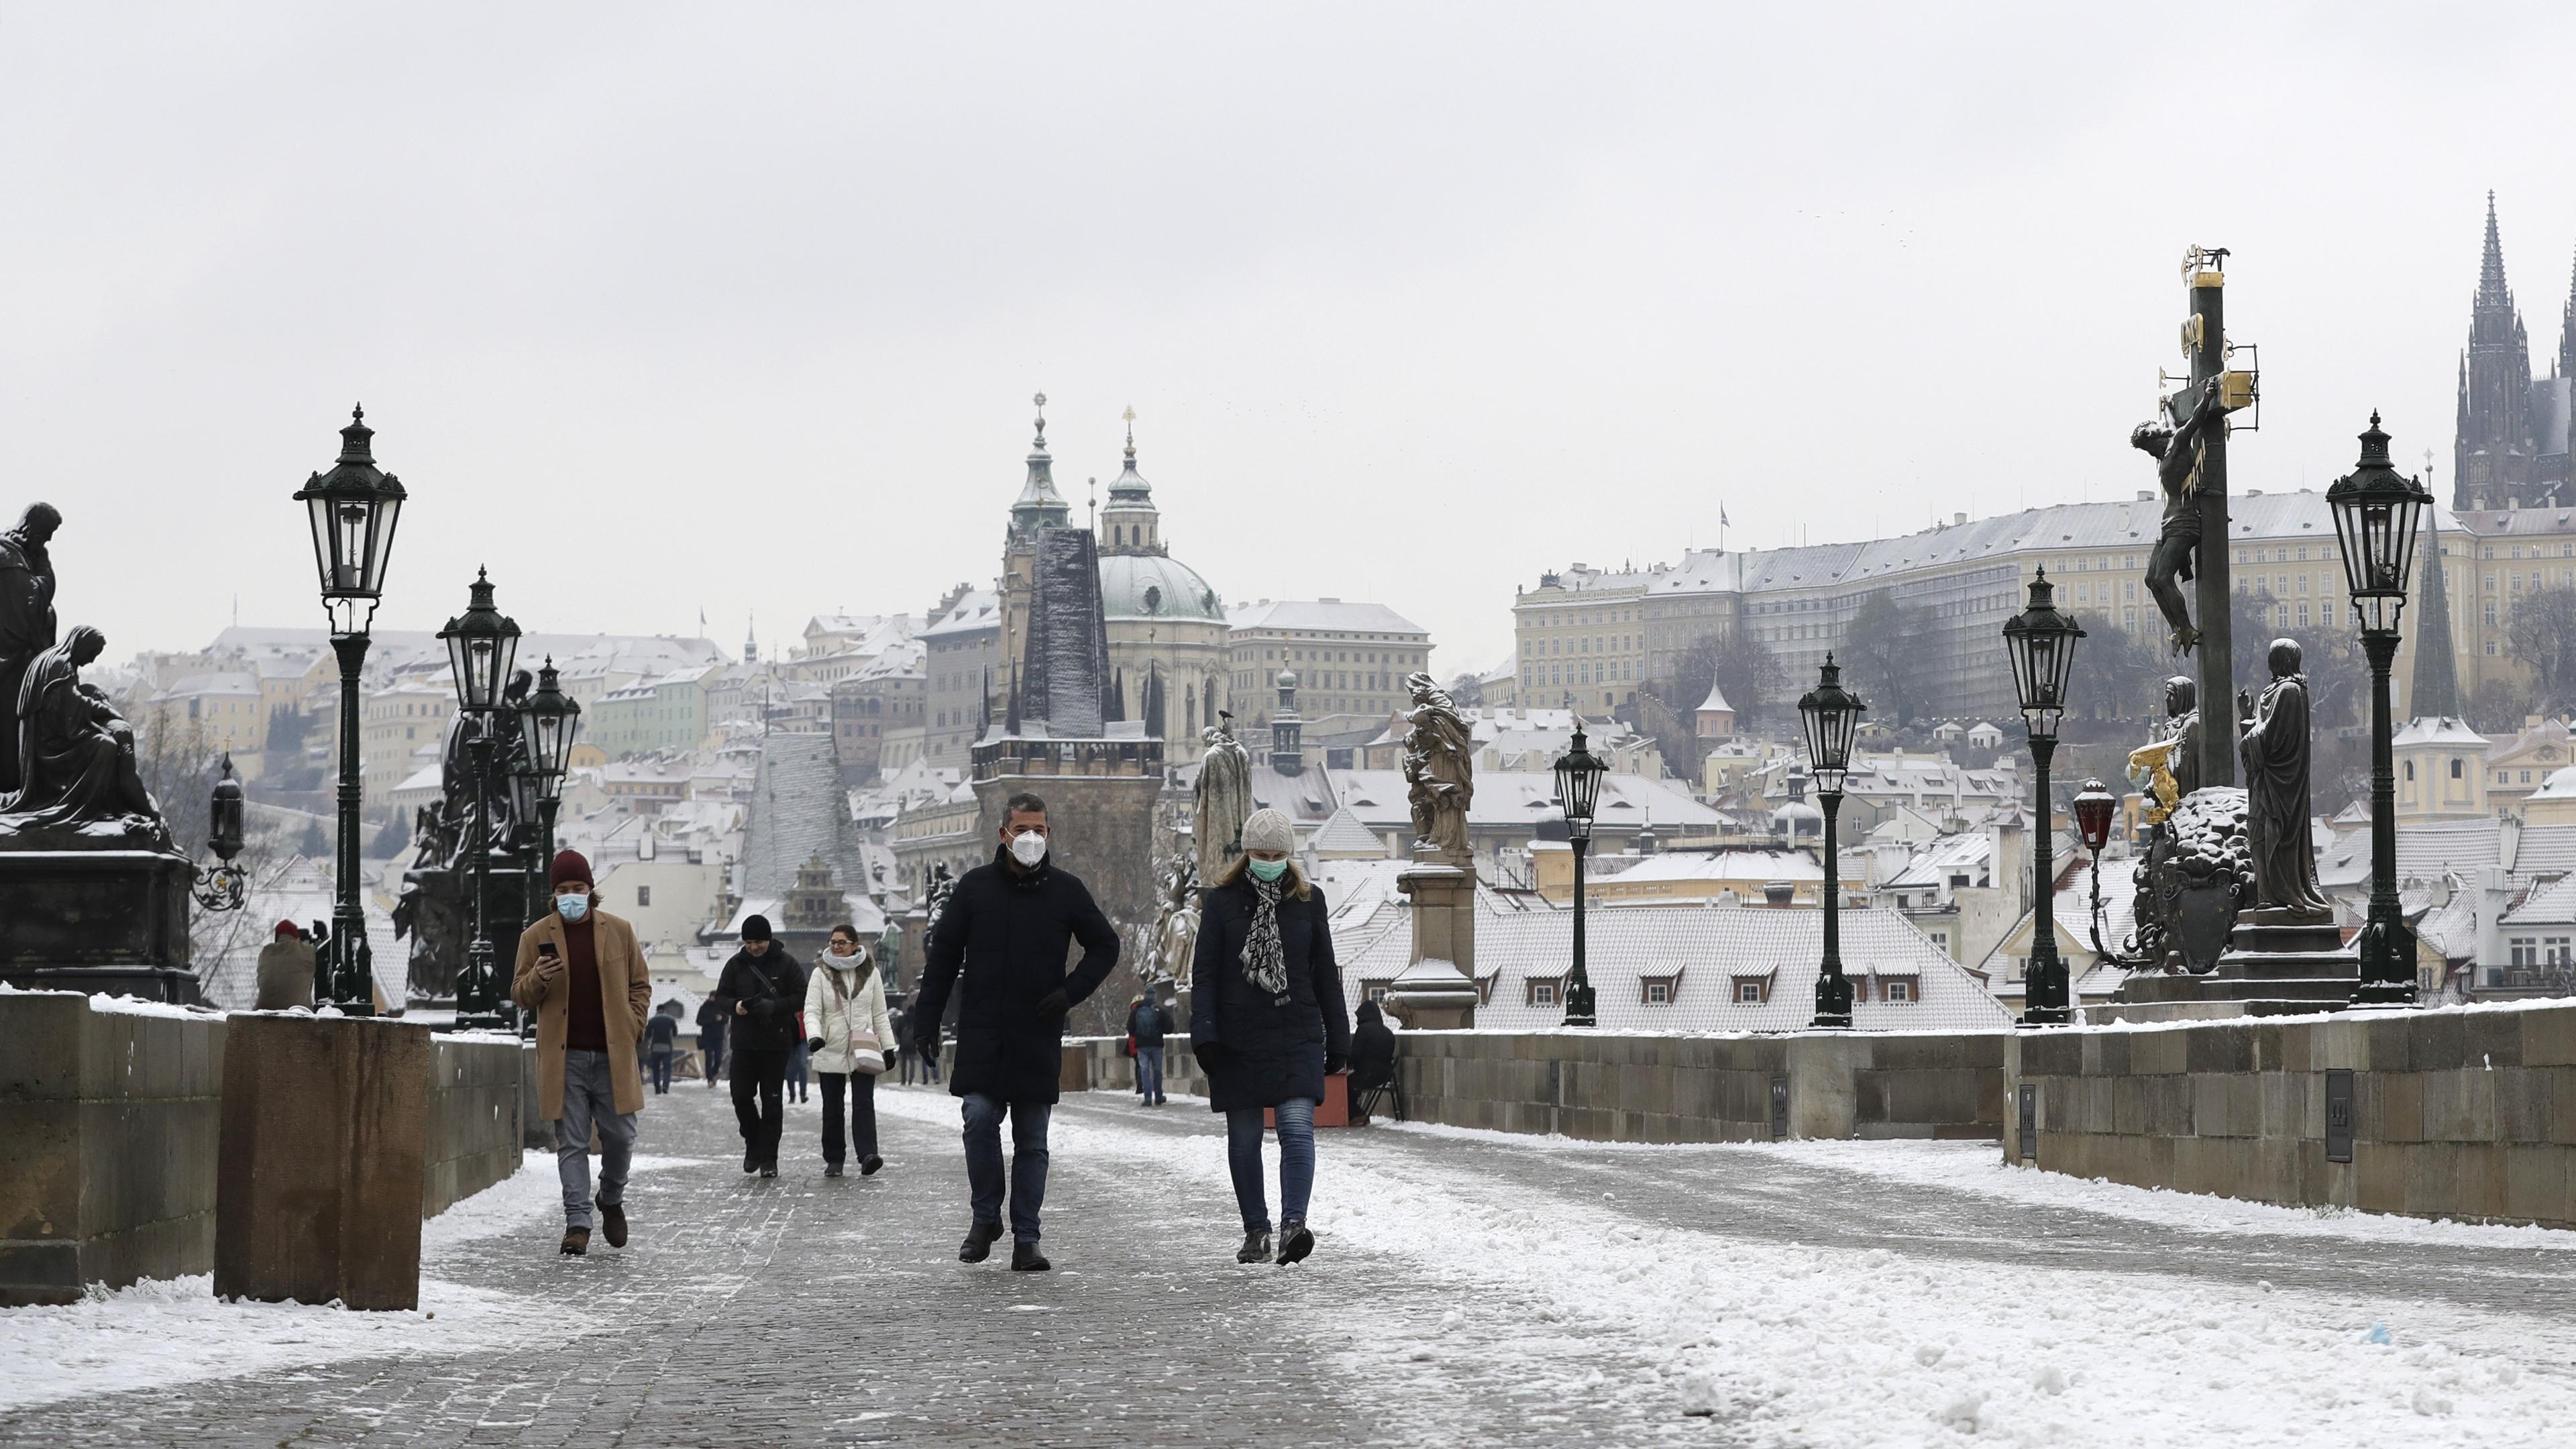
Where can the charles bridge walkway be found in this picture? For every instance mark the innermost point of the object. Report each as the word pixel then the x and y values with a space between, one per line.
pixel 1469 1290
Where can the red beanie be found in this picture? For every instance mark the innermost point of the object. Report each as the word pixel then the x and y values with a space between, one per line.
pixel 569 866
pixel 288 928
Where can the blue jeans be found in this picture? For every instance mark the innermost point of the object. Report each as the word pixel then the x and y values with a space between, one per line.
pixel 1296 1162
pixel 590 1100
pixel 1149 1073
pixel 1028 1161
pixel 661 1058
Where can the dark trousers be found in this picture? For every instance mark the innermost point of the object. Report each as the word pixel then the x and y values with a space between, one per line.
pixel 1028 1161
pixel 758 1071
pixel 714 1049
pixel 661 1059
pixel 862 1130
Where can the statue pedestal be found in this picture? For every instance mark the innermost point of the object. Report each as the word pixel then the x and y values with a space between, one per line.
pixel 318 1182
pixel 1438 991
pixel 101 921
pixel 2279 963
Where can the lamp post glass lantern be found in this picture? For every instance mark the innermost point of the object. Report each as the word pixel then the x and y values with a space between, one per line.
pixel 352 511
pixel 548 720
pixel 1578 793
pixel 223 887
pixel 2041 642
pixel 2376 513
pixel 481 643
pixel 2094 807
pixel 1832 717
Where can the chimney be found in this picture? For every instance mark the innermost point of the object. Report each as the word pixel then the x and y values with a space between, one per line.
pixel 1958 520
pixel 1778 894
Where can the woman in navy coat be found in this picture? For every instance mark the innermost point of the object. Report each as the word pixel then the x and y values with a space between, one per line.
pixel 1268 1024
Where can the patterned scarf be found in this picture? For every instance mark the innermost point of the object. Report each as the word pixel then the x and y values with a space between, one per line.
pixel 1265 961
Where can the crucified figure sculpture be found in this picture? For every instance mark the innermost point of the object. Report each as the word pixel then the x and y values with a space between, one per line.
pixel 2177 454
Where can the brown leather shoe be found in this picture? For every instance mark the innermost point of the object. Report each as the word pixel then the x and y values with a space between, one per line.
pixel 576 1242
pixel 612 1223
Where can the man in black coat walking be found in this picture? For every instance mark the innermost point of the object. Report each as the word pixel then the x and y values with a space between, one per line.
pixel 1002 942
pixel 761 990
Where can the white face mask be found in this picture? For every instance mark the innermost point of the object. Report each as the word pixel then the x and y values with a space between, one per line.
pixel 1028 847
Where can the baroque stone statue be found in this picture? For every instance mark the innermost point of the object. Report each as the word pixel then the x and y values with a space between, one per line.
pixel 77 771
pixel 1221 799
pixel 2273 744
pixel 1439 768
pixel 2165 772
pixel 2175 445
pixel 26 618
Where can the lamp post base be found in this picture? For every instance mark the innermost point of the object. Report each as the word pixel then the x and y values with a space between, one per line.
pixel 1578 1005
pixel 1833 1002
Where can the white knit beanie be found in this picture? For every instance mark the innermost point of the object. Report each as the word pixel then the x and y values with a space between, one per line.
pixel 1269 830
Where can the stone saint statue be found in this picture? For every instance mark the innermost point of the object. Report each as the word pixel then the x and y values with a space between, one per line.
pixel 1439 769
pixel 1221 800
pixel 26 619
pixel 2177 454
pixel 2274 748
pixel 76 753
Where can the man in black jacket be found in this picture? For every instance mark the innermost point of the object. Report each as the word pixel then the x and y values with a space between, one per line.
pixel 1003 940
pixel 760 991
pixel 1147 1024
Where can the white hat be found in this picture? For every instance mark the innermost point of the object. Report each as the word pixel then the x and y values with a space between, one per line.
pixel 1269 830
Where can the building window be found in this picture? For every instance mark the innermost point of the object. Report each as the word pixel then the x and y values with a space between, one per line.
pixel 1749 992
pixel 1659 993
pixel 643 895
pixel 1900 991
pixel 1542 993
pixel 2455 769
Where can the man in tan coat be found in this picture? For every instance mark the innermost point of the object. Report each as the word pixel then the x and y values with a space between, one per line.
pixel 581 972
pixel 285 971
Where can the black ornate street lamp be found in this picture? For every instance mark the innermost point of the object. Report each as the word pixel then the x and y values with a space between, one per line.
pixel 223 887
pixel 1578 792
pixel 480 644
pixel 2094 807
pixel 2376 513
pixel 548 720
pixel 1832 714
pixel 2042 644
pixel 353 510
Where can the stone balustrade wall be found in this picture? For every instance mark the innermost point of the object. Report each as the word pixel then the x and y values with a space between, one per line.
pixel 2462 1112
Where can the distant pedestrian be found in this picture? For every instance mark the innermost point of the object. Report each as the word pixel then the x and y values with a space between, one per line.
pixel 1268 1024
pixel 760 990
pixel 661 1042
pixel 1373 1063
pixel 1001 944
pixel 285 970
pixel 711 1039
pixel 1147 1024
pixel 580 971
pixel 845 1009
pixel 798 1064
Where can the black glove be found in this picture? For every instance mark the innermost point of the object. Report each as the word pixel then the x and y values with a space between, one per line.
pixel 1335 1064
pixel 1053 1006
pixel 815 1044
pixel 1209 1053
pixel 764 1007
pixel 925 1048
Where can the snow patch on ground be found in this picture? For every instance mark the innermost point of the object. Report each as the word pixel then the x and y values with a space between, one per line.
pixel 1860 1348
pixel 166 1331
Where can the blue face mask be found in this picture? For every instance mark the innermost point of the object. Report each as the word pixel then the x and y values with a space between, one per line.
pixel 573 908
pixel 1267 870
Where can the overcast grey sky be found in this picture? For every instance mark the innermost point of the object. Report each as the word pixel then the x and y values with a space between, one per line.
pixel 662 308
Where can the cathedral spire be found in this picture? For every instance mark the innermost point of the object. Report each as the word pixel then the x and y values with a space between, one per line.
pixel 1039 505
pixel 2492 291
pixel 2435 693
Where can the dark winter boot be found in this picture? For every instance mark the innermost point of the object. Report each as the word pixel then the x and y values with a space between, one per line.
pixel 612 1223
pixel 750 1156
pixel 769 1165
pixel 1025 1258
pixel 869 1164
pixel 576 1241
pixel 1255 1249
pixel 979 1242
pixel 831 1169
pixel 1294 1241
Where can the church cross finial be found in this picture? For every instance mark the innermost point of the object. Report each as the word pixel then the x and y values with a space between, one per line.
pixel 1131 432
pixel 1040 400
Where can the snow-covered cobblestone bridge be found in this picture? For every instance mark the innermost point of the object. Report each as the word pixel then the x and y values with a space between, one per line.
pixel 1470 1289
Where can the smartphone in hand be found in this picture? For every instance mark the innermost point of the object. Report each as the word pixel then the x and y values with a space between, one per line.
pixel 547 957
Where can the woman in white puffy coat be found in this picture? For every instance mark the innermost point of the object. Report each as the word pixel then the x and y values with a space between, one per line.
pixel 850 1039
